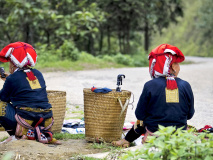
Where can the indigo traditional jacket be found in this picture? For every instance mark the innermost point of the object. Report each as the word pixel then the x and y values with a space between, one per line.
pixel 158 106
pixel 19 91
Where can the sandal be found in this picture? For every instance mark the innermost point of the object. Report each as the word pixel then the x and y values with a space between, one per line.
pixel 121 143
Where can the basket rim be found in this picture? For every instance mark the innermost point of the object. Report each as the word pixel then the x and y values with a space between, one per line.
pixel 56 92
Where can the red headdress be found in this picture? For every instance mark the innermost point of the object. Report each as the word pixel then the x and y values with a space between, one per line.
pixel 160 60
pixel 20 54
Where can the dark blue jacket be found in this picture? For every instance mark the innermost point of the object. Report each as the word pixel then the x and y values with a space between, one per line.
pixel 153 109
pixel 17 90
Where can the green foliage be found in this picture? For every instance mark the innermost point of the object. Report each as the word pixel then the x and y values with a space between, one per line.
pixel 175 144
pixel 84 25
pixel 188 36
pixel 102 146
pixel 46 54
pixel 4 138
pixel 81 157
pixel 123 59
pixel 140 60
pixel 68 51
pixel 66 136
pixel 108 58
pixel 205 20
pixel 65 32
pixel 85 57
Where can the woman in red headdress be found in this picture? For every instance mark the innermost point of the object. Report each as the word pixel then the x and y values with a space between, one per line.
pixel 28 113
pixel 165 100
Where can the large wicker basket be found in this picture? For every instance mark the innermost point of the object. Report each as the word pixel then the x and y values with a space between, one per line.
pixel 2 111
pixel 58 101
pixel 103 115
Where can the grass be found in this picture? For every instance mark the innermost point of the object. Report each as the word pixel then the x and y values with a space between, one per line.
pixel 80 112
pixel 66 136
pixel 106 146
pixel 81 157
pixel 77 117
pixel 3 138
pixel 82 64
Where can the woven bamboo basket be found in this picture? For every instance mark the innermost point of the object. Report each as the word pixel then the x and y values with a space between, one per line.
pixel 2 111
pixel 103 115
pixel 58 101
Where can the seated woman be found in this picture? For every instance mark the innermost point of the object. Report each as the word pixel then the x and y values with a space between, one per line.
pixel 165 100
pixel 28 113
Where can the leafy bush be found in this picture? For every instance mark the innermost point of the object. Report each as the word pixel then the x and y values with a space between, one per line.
pixel 68 50
pixel 45 53
pixel 175 144
pixel 123 59
pixel 108 58
pixel 86 57
pixel 141 60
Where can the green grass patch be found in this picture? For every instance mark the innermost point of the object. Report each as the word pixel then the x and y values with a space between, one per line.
pixel 82 157
pixel 80 112
pixel 77 117
pixel 4 138
pixel 67 136
pixel 101 146
pixel 186 62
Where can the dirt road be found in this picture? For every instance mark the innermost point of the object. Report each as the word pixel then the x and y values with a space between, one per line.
pixel 199 74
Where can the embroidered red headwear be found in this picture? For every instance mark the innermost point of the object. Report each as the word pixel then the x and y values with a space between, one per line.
pixel 160 60
pixel 20 54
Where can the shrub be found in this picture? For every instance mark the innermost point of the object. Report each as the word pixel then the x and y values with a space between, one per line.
pixel 108 58
pixel 86 57
pixel 45 53
pixel 123 59
pixel 68 50
pixel 175 144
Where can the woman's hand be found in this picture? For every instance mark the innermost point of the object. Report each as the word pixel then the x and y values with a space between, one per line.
pixel 4 79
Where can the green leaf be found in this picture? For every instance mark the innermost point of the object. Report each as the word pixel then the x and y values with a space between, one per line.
pixel 2 20
pixel 208 158
pixel 161 127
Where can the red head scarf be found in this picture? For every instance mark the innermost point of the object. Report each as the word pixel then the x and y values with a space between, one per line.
pixel 160 60
pixel 20 54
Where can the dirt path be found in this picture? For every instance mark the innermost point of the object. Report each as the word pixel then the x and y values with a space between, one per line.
pixel 198 74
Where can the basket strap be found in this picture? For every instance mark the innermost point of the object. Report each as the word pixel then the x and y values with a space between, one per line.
pixel 132 100
pixel 123 107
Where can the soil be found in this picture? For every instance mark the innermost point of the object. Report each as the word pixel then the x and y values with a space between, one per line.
pixel 73 82
pixel 32 150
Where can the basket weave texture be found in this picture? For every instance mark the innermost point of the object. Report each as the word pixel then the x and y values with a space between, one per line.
pixel 102 114
pixel 2 111
pixel 58 101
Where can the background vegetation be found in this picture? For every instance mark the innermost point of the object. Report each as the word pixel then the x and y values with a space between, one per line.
pixel 84 34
